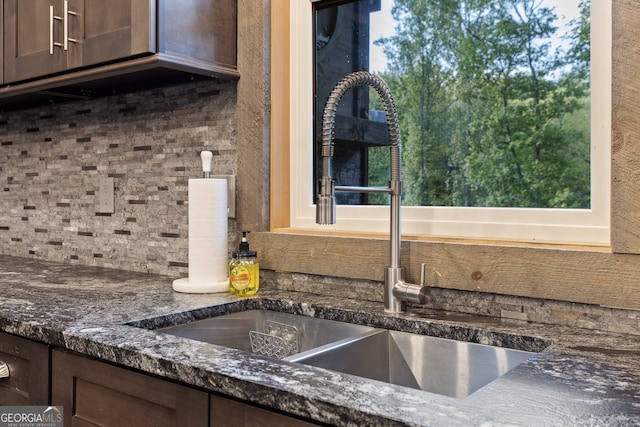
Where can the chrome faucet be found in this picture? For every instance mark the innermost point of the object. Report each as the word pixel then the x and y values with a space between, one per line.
pixel 396 290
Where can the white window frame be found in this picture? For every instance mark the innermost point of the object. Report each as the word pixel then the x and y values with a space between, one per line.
pixel 572 226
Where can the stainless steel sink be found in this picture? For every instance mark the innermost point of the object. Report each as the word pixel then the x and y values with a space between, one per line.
pixel 234 330
pixel 443 366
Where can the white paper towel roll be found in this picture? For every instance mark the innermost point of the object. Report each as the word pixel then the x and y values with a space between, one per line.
pixel 208 242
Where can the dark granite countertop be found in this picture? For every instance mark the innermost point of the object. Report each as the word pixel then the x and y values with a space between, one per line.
pixel 583 377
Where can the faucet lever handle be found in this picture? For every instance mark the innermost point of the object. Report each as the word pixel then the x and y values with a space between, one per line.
pixel 423 269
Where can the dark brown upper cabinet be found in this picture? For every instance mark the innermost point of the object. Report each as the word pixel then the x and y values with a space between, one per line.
pixel 84 48
pixel 27 33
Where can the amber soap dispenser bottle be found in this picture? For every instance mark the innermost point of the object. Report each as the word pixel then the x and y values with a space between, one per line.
pixel 244 270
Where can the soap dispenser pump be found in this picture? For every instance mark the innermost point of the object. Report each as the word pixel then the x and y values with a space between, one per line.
pixel 244 270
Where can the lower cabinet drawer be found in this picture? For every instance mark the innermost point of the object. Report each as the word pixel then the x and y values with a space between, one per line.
pixel 28 366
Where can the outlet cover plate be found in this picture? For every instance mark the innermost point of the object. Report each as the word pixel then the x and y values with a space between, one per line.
pixel 106 195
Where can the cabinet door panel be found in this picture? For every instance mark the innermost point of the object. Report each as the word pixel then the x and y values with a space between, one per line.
pixel 28 381
pixel 113 30
pixel 26 39
pixel 229 413
pixel 95 393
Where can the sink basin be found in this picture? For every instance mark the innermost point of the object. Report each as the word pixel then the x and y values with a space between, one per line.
pixel 443 366
pixel 439 365
pixel 235 331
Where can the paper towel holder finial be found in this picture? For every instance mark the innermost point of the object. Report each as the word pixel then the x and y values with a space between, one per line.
pixel 206 157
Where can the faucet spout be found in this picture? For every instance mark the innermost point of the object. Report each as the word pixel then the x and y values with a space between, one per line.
pixel 396 289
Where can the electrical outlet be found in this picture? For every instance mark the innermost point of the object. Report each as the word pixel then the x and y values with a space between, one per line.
pixel 231 193
pixel 106 195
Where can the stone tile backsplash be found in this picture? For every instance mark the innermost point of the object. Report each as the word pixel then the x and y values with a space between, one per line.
pixel 507 307
pixel 52 159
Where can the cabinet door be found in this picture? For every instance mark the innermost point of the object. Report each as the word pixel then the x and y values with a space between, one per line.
pixel 27 39
pixel 111 30
pixel 78 33
pixel 95 393
pixel 28 363
pixel 230 413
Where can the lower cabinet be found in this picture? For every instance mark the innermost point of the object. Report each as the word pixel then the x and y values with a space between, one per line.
pixel 24 372
pixel 94 393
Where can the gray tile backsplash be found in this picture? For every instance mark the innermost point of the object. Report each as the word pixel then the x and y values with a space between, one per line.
pixel 52 159
pixel 506 307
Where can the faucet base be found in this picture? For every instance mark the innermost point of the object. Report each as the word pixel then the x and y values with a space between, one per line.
pixel 392 276
pixel 397 291
pixel 410 293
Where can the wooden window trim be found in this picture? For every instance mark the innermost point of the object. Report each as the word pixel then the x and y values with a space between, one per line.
pixel 592 275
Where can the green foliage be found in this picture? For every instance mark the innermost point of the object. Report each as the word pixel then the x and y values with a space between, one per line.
pixel 491 114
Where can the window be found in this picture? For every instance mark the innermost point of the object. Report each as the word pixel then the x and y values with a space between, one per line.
pixel 584 224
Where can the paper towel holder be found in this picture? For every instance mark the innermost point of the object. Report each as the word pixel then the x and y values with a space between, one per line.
pixel 231 193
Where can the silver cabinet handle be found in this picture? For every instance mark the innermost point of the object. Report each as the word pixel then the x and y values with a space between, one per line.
pixel 66 25
pixel 51 30
pixel 67 12
pixel 52 18
pixel 4 370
